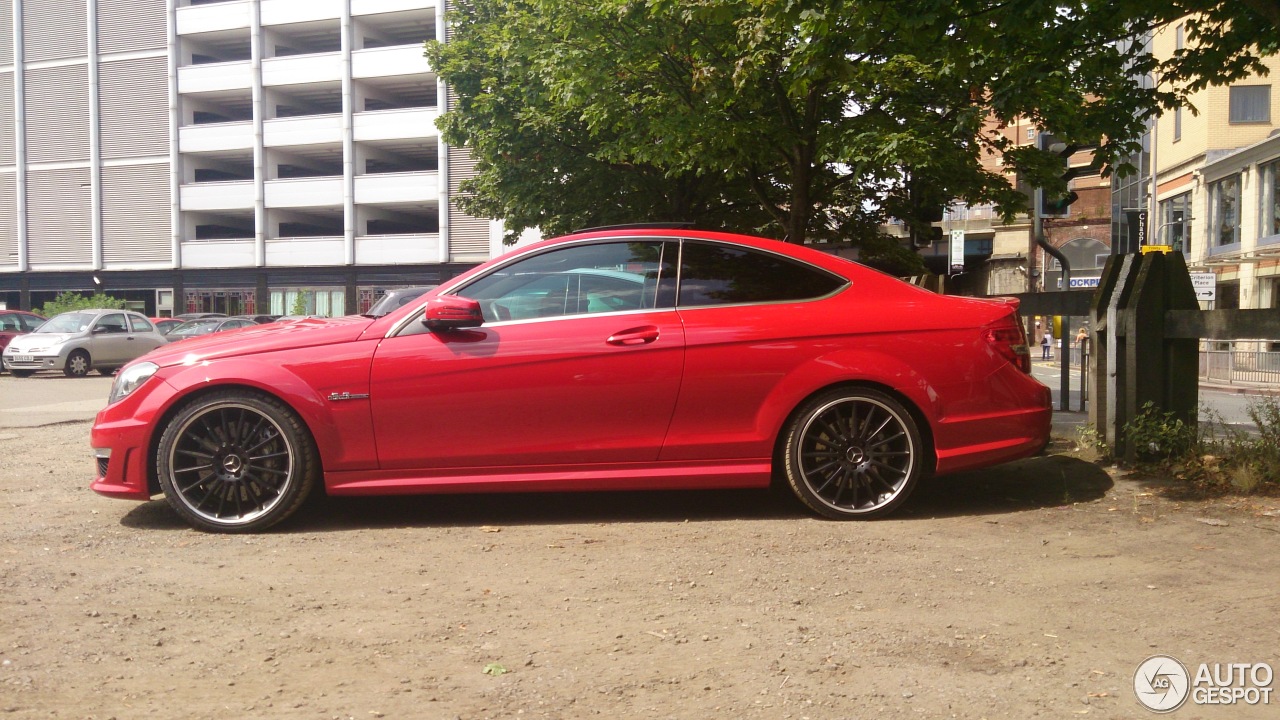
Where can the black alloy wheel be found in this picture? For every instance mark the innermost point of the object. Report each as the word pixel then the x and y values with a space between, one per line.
pixel 853 453
pixel 236 461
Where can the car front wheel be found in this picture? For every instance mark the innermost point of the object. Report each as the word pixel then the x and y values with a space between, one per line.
pixel 77 364
pixel 853 453
pixel 235 461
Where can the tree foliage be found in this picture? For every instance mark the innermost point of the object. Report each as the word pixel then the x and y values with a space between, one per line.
pixel 805 120
pixel 70 301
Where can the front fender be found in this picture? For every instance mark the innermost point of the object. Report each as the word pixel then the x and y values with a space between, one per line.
pixel 343 431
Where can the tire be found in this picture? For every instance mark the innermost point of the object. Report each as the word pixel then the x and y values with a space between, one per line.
pixel 236 462
pixel 853 453
pixel 78 364
pixel 22 373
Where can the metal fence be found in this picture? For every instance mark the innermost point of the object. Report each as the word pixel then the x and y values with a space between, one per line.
pixel 1234 366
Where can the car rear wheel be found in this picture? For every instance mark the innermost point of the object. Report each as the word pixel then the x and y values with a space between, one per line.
pixel 853 453
pixel 78 364
pixel 22 373
pixel 235 461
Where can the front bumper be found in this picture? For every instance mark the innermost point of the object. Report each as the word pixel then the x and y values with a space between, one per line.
pixel 121 441
pixel 36 362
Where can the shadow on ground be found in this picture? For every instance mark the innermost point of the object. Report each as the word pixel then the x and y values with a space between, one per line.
pixel 1046 481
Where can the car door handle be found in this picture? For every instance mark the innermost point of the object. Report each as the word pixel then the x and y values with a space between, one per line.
pixel 634 336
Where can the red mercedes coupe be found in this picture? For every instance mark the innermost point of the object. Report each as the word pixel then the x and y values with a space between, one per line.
pixel 617 359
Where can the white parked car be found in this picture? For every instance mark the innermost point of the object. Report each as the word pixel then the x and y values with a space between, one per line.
pixel 83 340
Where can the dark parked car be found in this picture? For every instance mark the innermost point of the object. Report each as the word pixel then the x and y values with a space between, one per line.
pixel 260 319
pixel 394 299
pixel 206 326
pixel 620 359
pixel 198 315
pixel 164 325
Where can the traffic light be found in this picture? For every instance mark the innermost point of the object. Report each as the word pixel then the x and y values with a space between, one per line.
pixel 1055 203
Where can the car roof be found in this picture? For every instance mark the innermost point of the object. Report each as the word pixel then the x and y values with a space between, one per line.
pixel 826 261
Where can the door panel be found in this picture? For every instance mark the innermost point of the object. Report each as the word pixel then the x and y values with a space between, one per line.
pixel 559 391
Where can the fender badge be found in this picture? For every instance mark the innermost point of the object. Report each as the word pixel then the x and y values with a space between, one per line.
pixel 348 396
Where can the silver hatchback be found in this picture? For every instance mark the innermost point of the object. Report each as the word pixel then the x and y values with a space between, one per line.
pixel 83 340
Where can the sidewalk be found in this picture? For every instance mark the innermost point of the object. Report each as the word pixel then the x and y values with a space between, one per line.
pixel 1240 388
pixel 47 399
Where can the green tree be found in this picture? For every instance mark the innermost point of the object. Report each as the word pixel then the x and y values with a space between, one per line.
pixel 70 301
pixel 801 120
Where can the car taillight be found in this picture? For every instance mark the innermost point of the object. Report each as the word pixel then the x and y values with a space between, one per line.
pixel 1008 340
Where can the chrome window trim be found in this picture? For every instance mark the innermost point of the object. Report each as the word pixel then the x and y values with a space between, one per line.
pixel 451 288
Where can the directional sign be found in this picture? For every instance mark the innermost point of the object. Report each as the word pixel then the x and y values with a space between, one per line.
pixel 957 252
pixel 1090 282
pixel 1205 284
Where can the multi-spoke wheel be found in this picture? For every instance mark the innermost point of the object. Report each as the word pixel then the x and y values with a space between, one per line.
pixel 77 364
pixel 235 461
pixel 853 453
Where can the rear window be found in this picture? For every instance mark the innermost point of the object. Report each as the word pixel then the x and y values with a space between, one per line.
pixel 713 274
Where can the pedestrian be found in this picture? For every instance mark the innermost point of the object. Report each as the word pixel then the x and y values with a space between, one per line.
pixel 1046 346
pixel 1082 336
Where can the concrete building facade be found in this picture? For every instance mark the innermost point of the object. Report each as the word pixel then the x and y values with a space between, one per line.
pixel 227 155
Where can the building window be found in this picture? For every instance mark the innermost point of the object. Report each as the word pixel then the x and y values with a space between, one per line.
pixel 1250 104
pixel 1177 123
pixel 1224 201
pixel 1269 211
pixel 1175 222
pixel 300 301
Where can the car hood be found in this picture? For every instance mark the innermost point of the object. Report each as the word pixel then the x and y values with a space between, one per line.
pixel 286 335
pixel 37 340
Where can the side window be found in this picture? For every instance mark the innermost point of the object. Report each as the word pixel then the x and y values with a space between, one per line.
pixel 714 274
pixel 113 323
pixel 30 322
pixel 140 324
pixel 594 278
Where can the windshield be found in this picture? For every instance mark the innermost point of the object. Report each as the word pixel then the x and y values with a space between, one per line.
pixel 71 322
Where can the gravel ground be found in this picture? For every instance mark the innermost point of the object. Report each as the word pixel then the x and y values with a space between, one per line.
pixel 1030 591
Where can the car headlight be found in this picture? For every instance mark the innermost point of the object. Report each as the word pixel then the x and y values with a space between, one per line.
pixel 130 379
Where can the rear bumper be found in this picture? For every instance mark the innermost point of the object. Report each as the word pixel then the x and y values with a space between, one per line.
pixel 968 442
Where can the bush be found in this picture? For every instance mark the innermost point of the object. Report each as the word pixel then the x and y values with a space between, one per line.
pixel 1231 460
pixel 1213 459
pixel 70 301
pixel 1160 435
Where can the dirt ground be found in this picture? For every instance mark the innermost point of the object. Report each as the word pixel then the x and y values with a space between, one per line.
pixel 1029 591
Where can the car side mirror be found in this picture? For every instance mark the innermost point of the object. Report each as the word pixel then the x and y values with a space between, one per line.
pixel 450 312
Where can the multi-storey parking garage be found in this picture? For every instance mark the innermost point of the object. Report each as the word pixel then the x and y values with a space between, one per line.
pixel 233 155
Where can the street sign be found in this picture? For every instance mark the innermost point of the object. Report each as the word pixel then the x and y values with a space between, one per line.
pixel 1088 282
pixel 1205 284
pixel 957 252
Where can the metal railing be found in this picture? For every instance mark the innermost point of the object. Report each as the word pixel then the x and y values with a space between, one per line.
pixel 1236 366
